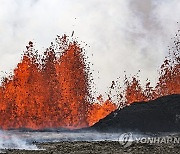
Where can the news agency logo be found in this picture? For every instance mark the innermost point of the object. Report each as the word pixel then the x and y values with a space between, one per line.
pixel 126 139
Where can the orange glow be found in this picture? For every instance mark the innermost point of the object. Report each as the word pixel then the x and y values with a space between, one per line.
pixel 54 90
pixel 134 92
pixel 168 83
pixel 50 92
pixel 98 111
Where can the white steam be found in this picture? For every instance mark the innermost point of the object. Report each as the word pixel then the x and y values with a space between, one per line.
pixel 124 35
pixel 11 141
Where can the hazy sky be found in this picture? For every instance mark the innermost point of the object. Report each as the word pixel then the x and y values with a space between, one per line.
pixel 123 35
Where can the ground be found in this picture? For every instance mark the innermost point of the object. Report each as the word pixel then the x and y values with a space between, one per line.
pixel 98 147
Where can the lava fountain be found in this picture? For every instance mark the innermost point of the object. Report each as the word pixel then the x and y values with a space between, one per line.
pixel 50 91
pixel 168 82
pixel 53 90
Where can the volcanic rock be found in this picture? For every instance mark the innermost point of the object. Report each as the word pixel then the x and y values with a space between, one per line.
pixel 160 115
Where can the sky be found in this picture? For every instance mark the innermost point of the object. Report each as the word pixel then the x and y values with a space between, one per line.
pixel 123 35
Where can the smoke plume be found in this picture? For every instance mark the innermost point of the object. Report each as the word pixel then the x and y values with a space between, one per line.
pixel 123 35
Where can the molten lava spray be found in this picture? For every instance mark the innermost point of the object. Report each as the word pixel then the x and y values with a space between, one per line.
pixel 54 90
pixel 168 83
pixel 50 91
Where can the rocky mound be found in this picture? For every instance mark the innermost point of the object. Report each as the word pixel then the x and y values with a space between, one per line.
pixel 160 115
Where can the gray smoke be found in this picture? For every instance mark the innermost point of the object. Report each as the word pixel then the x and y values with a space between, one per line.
pixel 124 35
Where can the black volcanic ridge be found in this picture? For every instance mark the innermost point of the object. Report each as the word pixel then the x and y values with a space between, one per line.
pixel 160 115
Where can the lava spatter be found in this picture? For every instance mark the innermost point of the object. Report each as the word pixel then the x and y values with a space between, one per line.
pixel 50 91
pixel 53 90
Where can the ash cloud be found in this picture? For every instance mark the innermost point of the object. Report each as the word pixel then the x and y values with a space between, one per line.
pixel 126 35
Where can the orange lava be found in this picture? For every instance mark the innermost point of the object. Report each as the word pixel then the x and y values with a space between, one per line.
pixel 168 83
pixel 101 109
pixel 50 92
pixel 54 90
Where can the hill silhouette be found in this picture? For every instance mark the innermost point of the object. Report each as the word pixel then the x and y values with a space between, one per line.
pixel 160 115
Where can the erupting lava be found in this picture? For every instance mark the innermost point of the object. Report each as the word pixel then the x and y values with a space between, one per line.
pixel 54 90
pixel 168 83
pixel 50 92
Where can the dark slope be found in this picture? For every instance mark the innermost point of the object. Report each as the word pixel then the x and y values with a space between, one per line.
pixel 160 115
